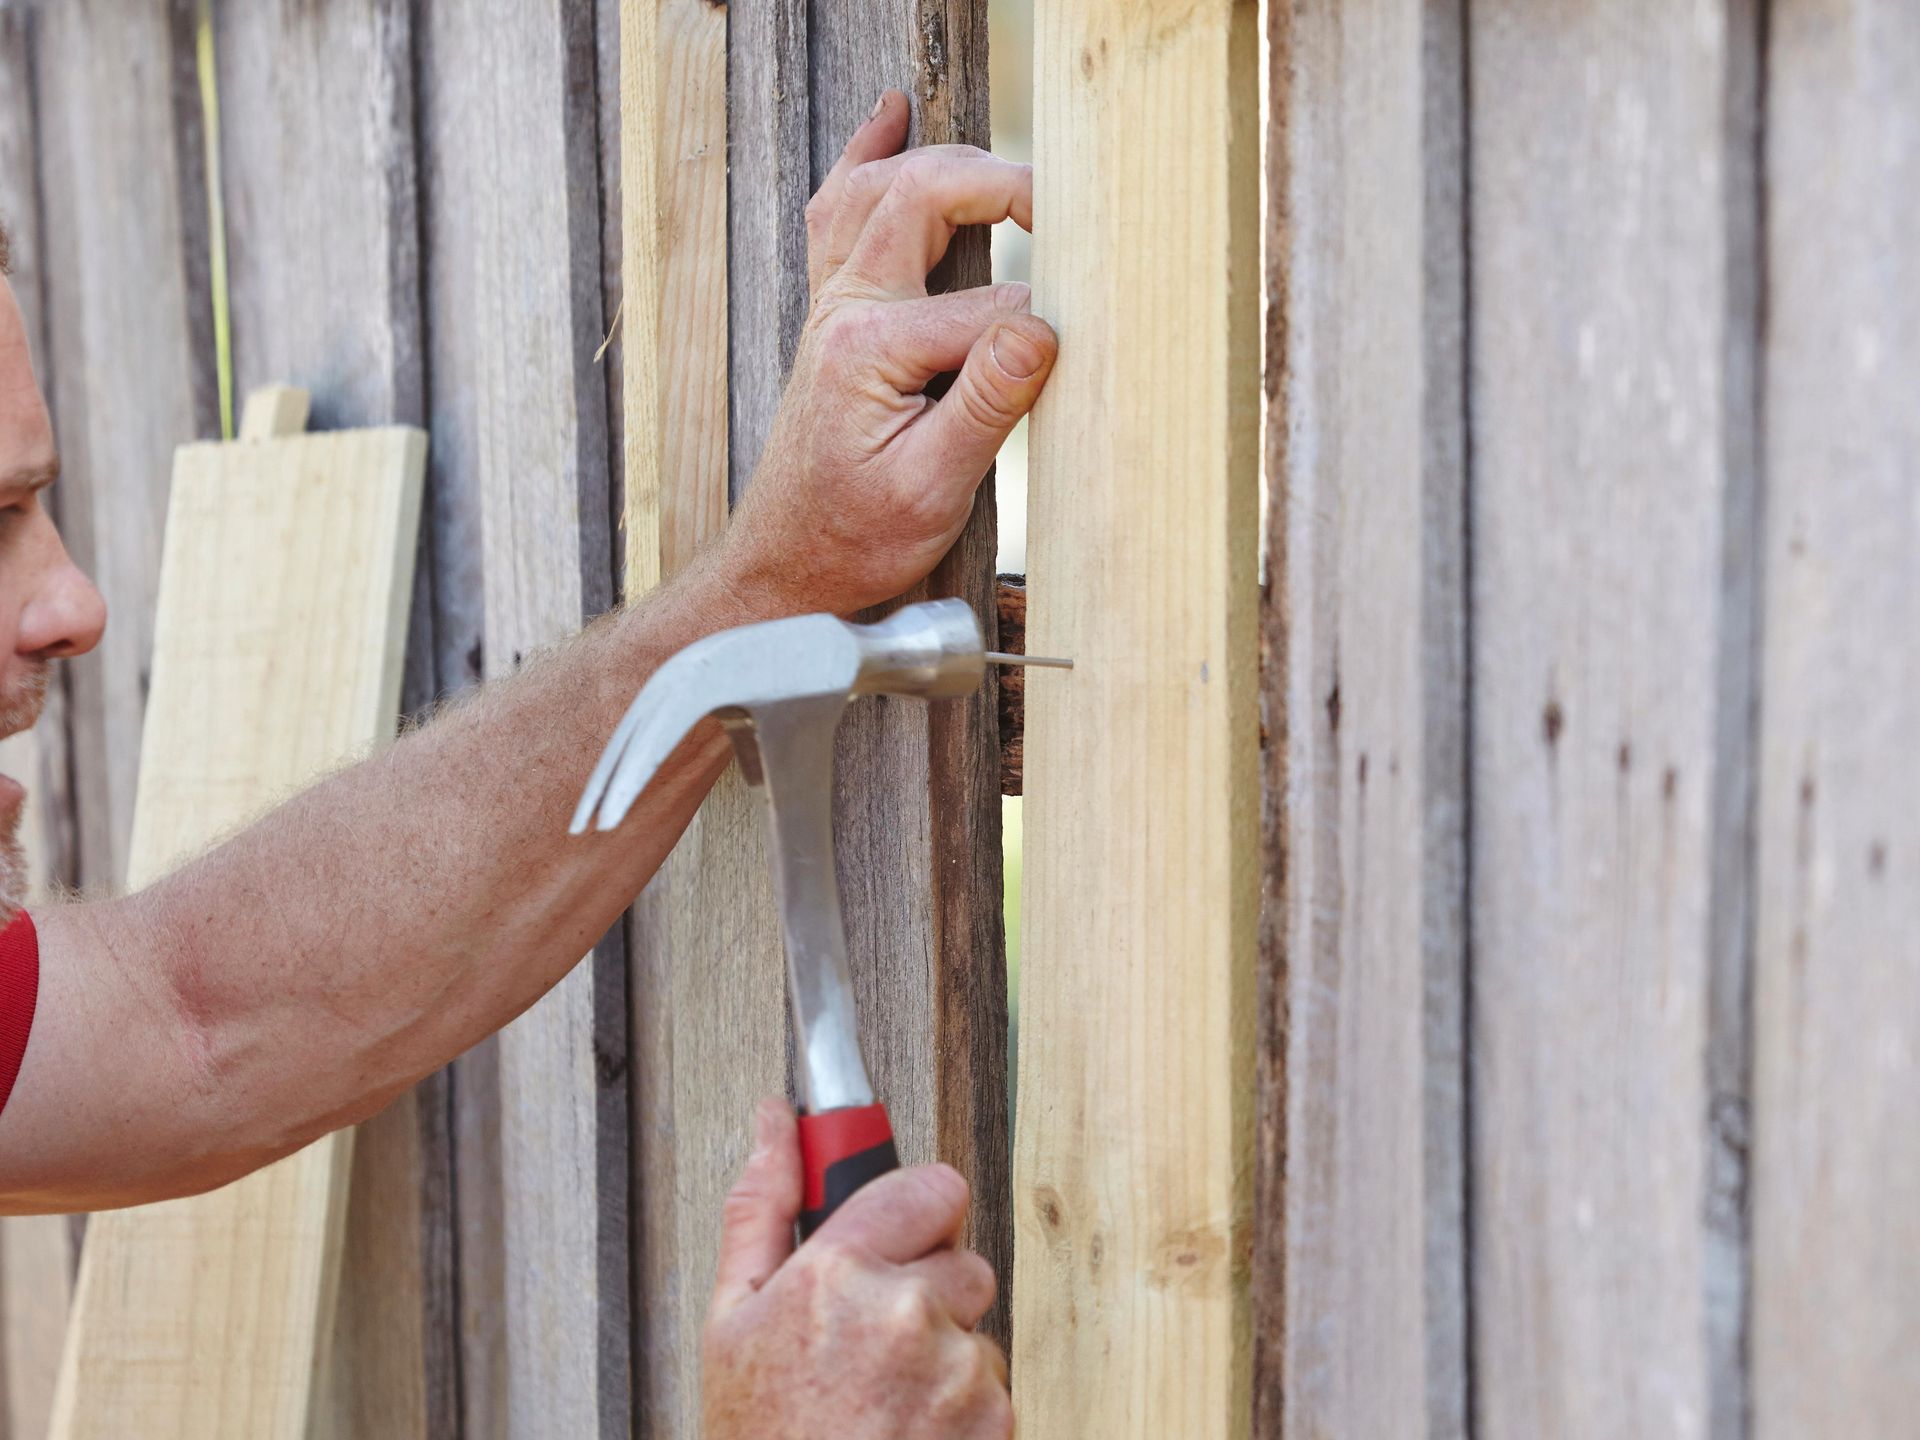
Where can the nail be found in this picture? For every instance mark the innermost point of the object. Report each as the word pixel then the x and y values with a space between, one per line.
pixel 763 1123
pixel 878 106
pixel 1015 354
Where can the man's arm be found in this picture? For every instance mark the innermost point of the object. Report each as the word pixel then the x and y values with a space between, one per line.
pixel 299 976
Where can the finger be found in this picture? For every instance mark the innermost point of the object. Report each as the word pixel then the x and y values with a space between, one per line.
pixel 862 192
pixel 996 1360
pixel 919 339
pixel 1004 374
pixel 881 134
pixel 963 1282
pixel 756 1222
pixel 931 196
pixel 901 1216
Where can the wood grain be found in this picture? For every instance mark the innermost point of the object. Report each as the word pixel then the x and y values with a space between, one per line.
pixel 512 201
pixel 320 191
pixel 709 1021
pixel 1133 1174
pixel 299 546
pixel 130 318
pixel 1612 479
pixel 1360 1320
pixel 1836 1161
pixel 917 810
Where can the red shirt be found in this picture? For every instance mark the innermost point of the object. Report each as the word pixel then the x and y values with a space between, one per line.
pixel 19 993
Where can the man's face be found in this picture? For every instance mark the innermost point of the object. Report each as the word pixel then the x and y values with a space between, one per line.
pixel 48 609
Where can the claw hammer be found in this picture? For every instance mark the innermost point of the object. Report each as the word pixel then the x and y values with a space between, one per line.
pixel 779 688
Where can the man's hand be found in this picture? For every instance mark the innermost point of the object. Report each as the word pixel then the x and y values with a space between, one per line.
pixel 865 1332
pixel 866 482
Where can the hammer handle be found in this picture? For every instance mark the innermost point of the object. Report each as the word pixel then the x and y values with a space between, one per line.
pixel 841 1150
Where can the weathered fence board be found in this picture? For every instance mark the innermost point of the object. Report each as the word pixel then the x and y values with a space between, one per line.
pixel 1134 1178
pixel 130 321
pixel 514 307
pixel 319 185
pixel 917 804
pixel 1360 1320
pixel 1836 1161
pixel 1609 480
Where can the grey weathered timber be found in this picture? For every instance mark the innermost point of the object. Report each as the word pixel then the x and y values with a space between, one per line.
pixel 917 805
pixel 1611 416
pixel 1836 1159
pixel 321 206
pixel 129 315
pixel 1360 1320
pixel 511 191
pixel 21 211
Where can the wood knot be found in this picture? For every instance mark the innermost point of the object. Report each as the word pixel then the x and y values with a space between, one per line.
pixel 1193 1259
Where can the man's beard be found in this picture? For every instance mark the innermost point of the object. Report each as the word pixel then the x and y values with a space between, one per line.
pixel 19 709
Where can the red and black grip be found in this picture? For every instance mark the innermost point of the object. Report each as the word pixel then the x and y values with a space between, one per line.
pixel 841 1150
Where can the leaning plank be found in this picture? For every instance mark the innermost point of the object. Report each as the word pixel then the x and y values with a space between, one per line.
pixel 1836 1160
pixel 709 1015
pixel 212 1315
pixel 1133 1179
pixel 131 319
pixel 519 410
pixel 1610 486
pixel 1360 1322
pixel 318 179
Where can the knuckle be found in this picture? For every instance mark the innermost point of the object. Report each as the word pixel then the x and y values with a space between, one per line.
pixel 911 1312
pixel 985 407
pixel 919 172
pixel 819 210
pixel 980 1273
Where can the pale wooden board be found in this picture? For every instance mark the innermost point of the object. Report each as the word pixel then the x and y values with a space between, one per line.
pixel 1360 1321
pixel 519 410
pixel 130 321
pixel 213 1315
pixel 323 225
pixel 1612 481
pixel 1836 1161
pixel 709 1028
pixel 1133 1163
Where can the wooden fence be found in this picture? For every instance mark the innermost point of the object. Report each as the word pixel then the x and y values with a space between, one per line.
pixel 1533 1053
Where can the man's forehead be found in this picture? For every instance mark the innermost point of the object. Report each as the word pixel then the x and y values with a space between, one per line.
pixel 26 433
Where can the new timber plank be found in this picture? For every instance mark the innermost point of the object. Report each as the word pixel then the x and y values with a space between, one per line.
pixel 213 1315
pixel 1612 416
pixel 709 1029
pixel 1836 1159
pixel 319 180
pixel 514 309
pixel 130 317
pixel 1360 1320
pixel 1134 1146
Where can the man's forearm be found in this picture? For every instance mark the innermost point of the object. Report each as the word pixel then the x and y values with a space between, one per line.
pixel 310 968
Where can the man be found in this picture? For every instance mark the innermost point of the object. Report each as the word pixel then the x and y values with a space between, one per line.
pixel 300 976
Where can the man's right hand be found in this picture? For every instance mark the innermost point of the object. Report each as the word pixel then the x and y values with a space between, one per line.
pixel 863 1333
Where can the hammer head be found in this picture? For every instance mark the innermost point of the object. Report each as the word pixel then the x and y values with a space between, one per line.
pixel 931 650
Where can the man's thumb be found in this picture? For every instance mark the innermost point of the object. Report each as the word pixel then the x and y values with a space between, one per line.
pixel 1004 374
pixel 756 1223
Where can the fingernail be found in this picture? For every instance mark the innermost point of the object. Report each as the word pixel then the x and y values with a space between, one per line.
pixel 1015 354
pixel 878 106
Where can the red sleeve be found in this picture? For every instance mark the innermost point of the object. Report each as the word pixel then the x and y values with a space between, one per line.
pixel 19 993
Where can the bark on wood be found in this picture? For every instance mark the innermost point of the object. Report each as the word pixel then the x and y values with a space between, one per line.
pixel 1011 605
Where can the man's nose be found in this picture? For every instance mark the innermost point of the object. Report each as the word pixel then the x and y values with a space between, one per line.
pixel 66 615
